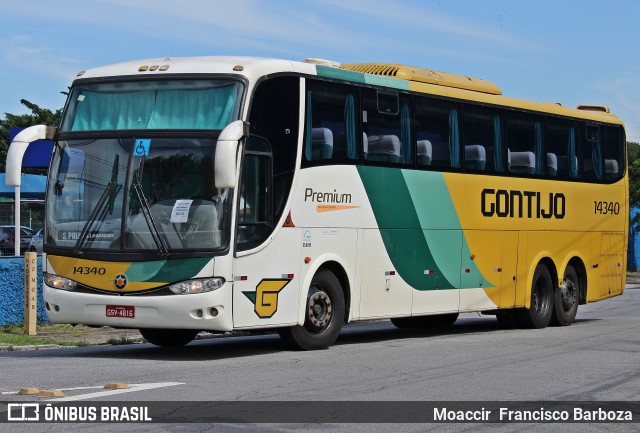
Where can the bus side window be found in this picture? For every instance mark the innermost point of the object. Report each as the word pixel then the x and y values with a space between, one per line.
pixel 321 143
pixel 424 152
pixel 330 124
pixel 437 134
pixel 275 114
pixel 387 122
pixel 592 154
pixel 561 148
pixel 482 136
pixel 613 153
pixel 524 144
pixel 254 199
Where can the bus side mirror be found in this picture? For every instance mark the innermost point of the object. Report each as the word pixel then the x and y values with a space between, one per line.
pixel 225 165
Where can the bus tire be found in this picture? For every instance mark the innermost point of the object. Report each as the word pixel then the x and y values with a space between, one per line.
pixel 565 299
pixel 539 313
pixel 168 337
pixel 324 315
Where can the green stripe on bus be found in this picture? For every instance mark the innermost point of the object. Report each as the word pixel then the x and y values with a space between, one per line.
pixel 379 80
pixel 359 77
pixel 166 271
pixel 420 228
pixel 443 230
pixel 340 74
pixel 398 223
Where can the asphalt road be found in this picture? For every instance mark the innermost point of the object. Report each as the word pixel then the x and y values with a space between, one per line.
pixel 595 359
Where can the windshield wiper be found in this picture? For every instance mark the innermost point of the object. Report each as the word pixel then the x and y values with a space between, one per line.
pixel 109 194
pixel 146 212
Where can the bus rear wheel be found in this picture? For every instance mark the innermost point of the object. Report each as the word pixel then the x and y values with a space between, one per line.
pixel 324 315
pixel 565 299
pixel 539 313
pixel 168 337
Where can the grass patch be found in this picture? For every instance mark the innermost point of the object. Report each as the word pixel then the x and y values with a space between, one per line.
pixel 123 339
pixel 11 339
pixel 13 335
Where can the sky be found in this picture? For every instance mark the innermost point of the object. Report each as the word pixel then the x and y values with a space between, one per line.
pixel 572 52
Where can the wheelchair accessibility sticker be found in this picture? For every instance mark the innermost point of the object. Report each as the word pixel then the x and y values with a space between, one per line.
pixel 141 147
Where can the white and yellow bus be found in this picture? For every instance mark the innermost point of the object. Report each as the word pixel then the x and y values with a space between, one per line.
pixel 224 193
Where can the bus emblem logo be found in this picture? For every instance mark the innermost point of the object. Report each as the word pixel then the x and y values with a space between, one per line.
pixel 265 298
pixel 120 281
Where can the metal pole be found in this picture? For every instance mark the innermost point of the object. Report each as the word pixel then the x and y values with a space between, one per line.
pixel 17 221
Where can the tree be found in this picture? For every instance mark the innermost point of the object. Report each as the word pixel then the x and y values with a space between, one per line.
pixel 38 116
pixel 633 156
pixel 633 151
pixel 633 159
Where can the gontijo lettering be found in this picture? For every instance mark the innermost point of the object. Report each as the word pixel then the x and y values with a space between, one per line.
pixel 522 204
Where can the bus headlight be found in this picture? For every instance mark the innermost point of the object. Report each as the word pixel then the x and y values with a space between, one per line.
pixel 58 282
pixel 197 286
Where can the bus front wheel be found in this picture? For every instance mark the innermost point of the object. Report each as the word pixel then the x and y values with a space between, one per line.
pixel 539 313
pixel 324 315
pixel 168 337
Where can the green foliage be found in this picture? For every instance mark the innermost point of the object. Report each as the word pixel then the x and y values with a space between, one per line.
pixel 633 157
pixel 633 151
pixel 38 116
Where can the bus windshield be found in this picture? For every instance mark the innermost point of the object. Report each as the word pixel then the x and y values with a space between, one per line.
pixel 163 104
pixel 134 167
pixel 136 194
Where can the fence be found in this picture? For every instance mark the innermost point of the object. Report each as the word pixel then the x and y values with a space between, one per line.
pixel 31 219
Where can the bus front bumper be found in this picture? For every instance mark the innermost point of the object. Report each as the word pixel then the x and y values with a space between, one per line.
pixel 204 311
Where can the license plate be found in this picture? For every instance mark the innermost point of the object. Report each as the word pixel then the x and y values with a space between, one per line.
pixel 126 311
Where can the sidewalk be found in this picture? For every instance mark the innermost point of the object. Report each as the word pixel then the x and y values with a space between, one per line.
pixel 633 280
pixel 82 335
pixel 87 336
pixel 78 336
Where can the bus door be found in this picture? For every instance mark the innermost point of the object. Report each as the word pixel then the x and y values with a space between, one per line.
pixel 266 271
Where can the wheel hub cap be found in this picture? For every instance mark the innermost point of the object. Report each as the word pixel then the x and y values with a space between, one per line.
pixel 568 294
pixel 319 309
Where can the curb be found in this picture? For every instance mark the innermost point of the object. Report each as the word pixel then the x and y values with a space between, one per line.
pixel 139 340
pixel 10 348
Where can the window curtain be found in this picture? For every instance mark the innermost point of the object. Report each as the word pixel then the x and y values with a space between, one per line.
pixel 405 133
pixel 210 108
pixel 497 144
pixel 454 138
pixel 571 152
pixel 350 126
pixel 596 155
pixel 107 111
pixel 194 109
pixel 540 163
pixel 308 128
